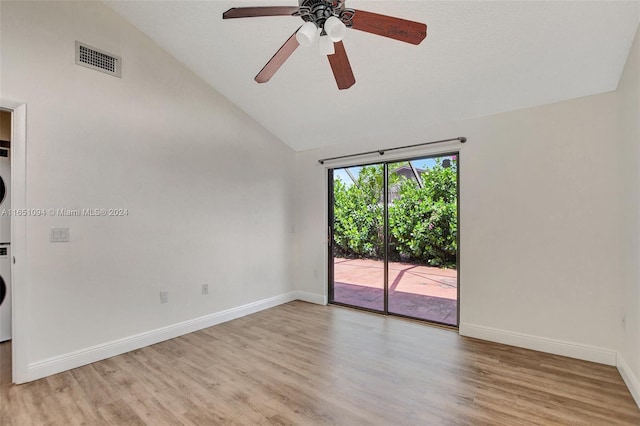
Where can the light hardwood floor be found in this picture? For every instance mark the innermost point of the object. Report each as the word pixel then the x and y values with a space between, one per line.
pixel 306 364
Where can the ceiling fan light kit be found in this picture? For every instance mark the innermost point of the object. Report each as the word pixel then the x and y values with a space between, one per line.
pixel 331 18
pixel 325 45
pixel 335 29
pixel 307 34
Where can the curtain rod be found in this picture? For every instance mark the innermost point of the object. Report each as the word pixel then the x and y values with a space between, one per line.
pixel 462 139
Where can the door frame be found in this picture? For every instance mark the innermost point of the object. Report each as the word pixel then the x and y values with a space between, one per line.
pixel 19 344
pixel 329 221
pixel 329 245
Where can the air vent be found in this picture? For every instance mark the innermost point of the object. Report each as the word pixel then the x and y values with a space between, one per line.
pixel 98 60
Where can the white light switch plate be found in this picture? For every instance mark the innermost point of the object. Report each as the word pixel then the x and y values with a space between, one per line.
pixel 59 235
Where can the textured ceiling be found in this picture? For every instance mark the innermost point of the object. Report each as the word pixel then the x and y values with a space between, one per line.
pixel 479 58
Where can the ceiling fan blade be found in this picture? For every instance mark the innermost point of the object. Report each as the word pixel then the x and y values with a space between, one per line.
pixel 251 12
pixel 388 26
pixel 278 59
pixel 341 68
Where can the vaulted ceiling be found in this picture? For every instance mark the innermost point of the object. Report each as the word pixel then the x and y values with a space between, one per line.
pixel 479 58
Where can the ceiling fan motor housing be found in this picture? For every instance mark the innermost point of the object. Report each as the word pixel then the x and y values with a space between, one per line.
pixel 318 11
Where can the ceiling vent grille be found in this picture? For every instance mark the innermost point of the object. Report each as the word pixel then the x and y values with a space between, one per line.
pixel 98 60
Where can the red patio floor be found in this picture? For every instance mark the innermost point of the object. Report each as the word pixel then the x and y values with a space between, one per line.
pixel 418 291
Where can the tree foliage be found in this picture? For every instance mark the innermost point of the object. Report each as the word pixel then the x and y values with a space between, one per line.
pixel 358 215
pixel 422 220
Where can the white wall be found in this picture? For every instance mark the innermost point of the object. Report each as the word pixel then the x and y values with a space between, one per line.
pixel 539 244
pixel 207 189
pixel 628 93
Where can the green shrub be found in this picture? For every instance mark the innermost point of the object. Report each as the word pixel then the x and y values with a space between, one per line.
pixel 358 216
pixel 422 221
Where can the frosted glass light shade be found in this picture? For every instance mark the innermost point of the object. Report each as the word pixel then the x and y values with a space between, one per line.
pixel 326 45
pixel 335 29
pixel 307 34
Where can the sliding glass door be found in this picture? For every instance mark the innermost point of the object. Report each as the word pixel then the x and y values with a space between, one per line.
pixel 394 238
pixel 357 251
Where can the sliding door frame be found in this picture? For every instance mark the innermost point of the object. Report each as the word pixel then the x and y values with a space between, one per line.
pixel 329 230
pixel 330 242
pixel 330 265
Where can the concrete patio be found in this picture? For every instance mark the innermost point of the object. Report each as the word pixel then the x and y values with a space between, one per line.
pixel 418 291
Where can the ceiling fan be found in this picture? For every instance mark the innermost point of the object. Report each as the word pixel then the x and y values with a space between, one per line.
pixel 331 19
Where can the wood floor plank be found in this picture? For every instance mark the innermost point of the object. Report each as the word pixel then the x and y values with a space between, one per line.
pixel 120 413
pixel 72 399
pixel 304 364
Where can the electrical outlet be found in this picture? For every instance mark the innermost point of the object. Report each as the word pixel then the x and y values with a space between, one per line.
pixel 205 288
pixel 164 296
pixel 59 235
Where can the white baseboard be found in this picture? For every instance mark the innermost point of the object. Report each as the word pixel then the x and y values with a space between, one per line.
pixel 542 344
pixel 318 299
pixel 630 379
pixel 85 356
